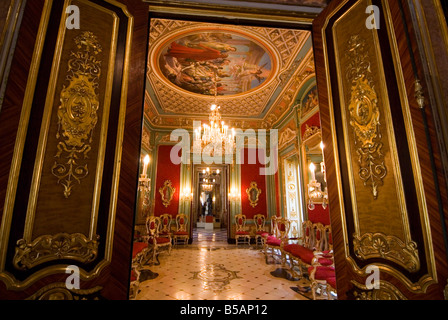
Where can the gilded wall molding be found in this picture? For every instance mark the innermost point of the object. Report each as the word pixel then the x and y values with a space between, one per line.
pixel 59 291
pixel 371 245
pixel 386 291
pixel 167 193
pixel 253 194
pixel 365 116
pixel 54 247
pixel 77 113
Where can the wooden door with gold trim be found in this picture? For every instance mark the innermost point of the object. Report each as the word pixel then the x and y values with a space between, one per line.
pixel 69 131
pixel 387 210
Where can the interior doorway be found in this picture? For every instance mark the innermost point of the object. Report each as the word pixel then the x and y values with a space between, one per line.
pixel 210 209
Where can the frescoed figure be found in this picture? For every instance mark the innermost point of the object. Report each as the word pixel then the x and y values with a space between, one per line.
pixel 215 63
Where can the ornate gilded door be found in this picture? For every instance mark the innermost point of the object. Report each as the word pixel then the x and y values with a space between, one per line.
pixel 69 131
pixel 387 203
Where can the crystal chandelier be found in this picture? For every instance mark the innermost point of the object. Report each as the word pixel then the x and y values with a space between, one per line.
pixel 216 134
pixel 208 179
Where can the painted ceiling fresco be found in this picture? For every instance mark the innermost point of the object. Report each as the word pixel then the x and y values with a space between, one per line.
pixel 253 73
pixel 309 3
pixel 215 63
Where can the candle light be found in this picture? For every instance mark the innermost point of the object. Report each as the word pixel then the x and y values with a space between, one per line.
pixel 145 164
pixel 313 169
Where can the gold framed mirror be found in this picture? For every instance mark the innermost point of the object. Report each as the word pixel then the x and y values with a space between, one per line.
pixel 253 194
pixel 167 192
pixel 314 167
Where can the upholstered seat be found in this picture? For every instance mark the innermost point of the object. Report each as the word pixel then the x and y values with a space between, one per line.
pixel 165 225
pixel 155 241
pixel 241 232
pixel 181 235
pixel 159 240
pixel 304 254
pixel 260 232
pixel 322 276
pixel 138 248
pixel 274 243
pixel 322 272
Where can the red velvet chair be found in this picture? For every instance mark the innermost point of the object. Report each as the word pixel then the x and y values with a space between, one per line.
pixel 274 243
pixel 259 220
pixel 181 234
pixel 267 234
pixel 301 254
pixel 165 225
pixel 156 242
pixel 241 232
pixel 323 277
pixel 140 253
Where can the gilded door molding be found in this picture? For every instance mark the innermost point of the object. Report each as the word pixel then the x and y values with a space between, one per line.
pixel 77 148
pixel 374 201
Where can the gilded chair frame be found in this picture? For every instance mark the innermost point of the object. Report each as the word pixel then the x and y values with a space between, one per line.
pixel 240 226
pixel 259 221
pixel 165 224
pixel 282 226
pixel 314 238
pixel 271 233
pixel 327 292
pixel 153 228
pixel 181 226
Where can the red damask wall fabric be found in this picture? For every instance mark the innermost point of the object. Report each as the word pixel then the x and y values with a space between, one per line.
pixel 319 214
pixel 166 170
pixel 249 173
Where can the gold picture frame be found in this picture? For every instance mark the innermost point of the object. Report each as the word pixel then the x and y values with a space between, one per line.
pixel 253 194
pixel 167 192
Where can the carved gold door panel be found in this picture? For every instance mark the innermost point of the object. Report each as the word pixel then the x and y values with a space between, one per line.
pixel 379 189
pixel 62 198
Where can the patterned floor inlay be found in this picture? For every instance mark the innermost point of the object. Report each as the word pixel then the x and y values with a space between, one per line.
pixel 208 270
pixel 215 277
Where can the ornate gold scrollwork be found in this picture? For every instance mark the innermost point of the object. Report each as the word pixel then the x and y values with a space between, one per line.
pixel 253 194
pixel 388 247
pixel 386 291
pixel 77 113
pixel 59 291
pixel 167 192
pixel 365 116
pixel 60 246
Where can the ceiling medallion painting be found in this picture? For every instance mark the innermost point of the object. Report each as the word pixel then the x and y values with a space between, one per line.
pixel 193 61
pixel 256 67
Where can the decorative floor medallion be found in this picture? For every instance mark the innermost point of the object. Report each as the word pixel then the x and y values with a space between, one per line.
pixel 215 277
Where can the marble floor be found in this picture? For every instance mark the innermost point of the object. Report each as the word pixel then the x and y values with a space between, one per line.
pixel 212 269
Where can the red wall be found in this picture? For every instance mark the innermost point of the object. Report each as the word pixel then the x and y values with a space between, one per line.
pixel 314 121
pixel 319 214
pixel 249 173
pixel 166 170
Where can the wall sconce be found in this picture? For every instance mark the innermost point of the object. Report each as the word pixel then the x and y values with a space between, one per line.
pixel 144 182
pixel 315 193
pixel 186 195
pixel 234 196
